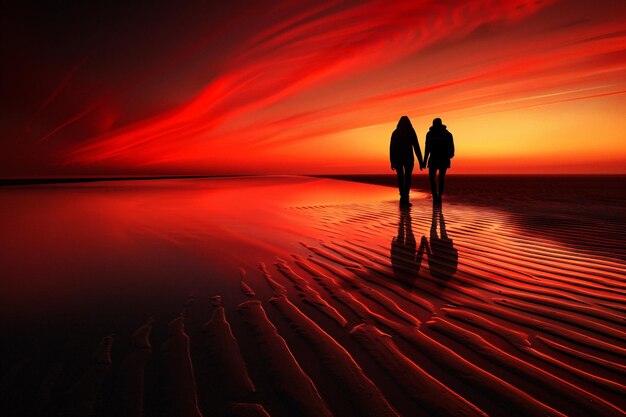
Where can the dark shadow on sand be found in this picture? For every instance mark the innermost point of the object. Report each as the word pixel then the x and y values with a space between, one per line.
pixel 443 258
pixel 585 212
pixel 406 256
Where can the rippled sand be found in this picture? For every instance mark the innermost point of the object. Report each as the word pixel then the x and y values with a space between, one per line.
pixel 304 296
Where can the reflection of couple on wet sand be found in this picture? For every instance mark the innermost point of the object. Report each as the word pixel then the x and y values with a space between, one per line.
pixel 437 154
pixel 406 261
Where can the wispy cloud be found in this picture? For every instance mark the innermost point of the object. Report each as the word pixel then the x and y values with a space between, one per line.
pixel 261 81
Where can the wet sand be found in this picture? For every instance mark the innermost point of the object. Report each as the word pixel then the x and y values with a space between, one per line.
pixel 290 296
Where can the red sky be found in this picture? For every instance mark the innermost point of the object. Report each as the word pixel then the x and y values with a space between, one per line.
pixel 525 86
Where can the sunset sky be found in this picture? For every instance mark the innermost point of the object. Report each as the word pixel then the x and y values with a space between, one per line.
pixel 98 88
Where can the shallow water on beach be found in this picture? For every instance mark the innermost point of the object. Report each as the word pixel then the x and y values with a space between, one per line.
pixel 526 312
pixel 62 242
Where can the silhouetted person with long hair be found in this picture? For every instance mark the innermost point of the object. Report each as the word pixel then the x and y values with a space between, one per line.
pixel 403 144
pixel 443 258
pixel 437 155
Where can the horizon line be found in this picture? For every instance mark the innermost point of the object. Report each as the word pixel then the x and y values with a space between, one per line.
pixel 70 180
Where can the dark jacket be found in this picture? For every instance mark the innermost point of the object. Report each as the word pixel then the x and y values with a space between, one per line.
pixel 439 147
pixel 403 144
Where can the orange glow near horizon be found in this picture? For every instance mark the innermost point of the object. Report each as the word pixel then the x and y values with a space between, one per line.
pixel 525 86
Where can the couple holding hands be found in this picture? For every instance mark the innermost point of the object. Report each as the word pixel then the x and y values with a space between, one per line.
pixel 439 150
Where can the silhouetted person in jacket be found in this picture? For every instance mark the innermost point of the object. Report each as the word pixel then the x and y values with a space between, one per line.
pixel 439 150
pixel 403 144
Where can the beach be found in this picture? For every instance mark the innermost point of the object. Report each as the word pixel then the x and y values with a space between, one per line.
pixel 295 296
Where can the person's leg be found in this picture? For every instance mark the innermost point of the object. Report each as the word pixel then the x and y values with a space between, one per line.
pixel 442 176
pixel 432 172
pixel 400 175
pixel 408 172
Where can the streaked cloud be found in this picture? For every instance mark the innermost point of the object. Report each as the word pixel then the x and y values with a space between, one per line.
pixel 253 95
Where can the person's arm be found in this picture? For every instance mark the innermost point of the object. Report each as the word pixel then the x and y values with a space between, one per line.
pixel 451 146
pixel 418 151
pixel 426 150
pixel 392 151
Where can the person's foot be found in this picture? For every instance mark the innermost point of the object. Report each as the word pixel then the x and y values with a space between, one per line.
pixel 404 201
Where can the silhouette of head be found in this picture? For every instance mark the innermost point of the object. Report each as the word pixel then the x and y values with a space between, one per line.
pixel 437 122
pixel 404 123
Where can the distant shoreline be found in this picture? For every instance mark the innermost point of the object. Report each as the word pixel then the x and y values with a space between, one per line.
pixel 43 181
pixel 380 179
pixel 390 179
